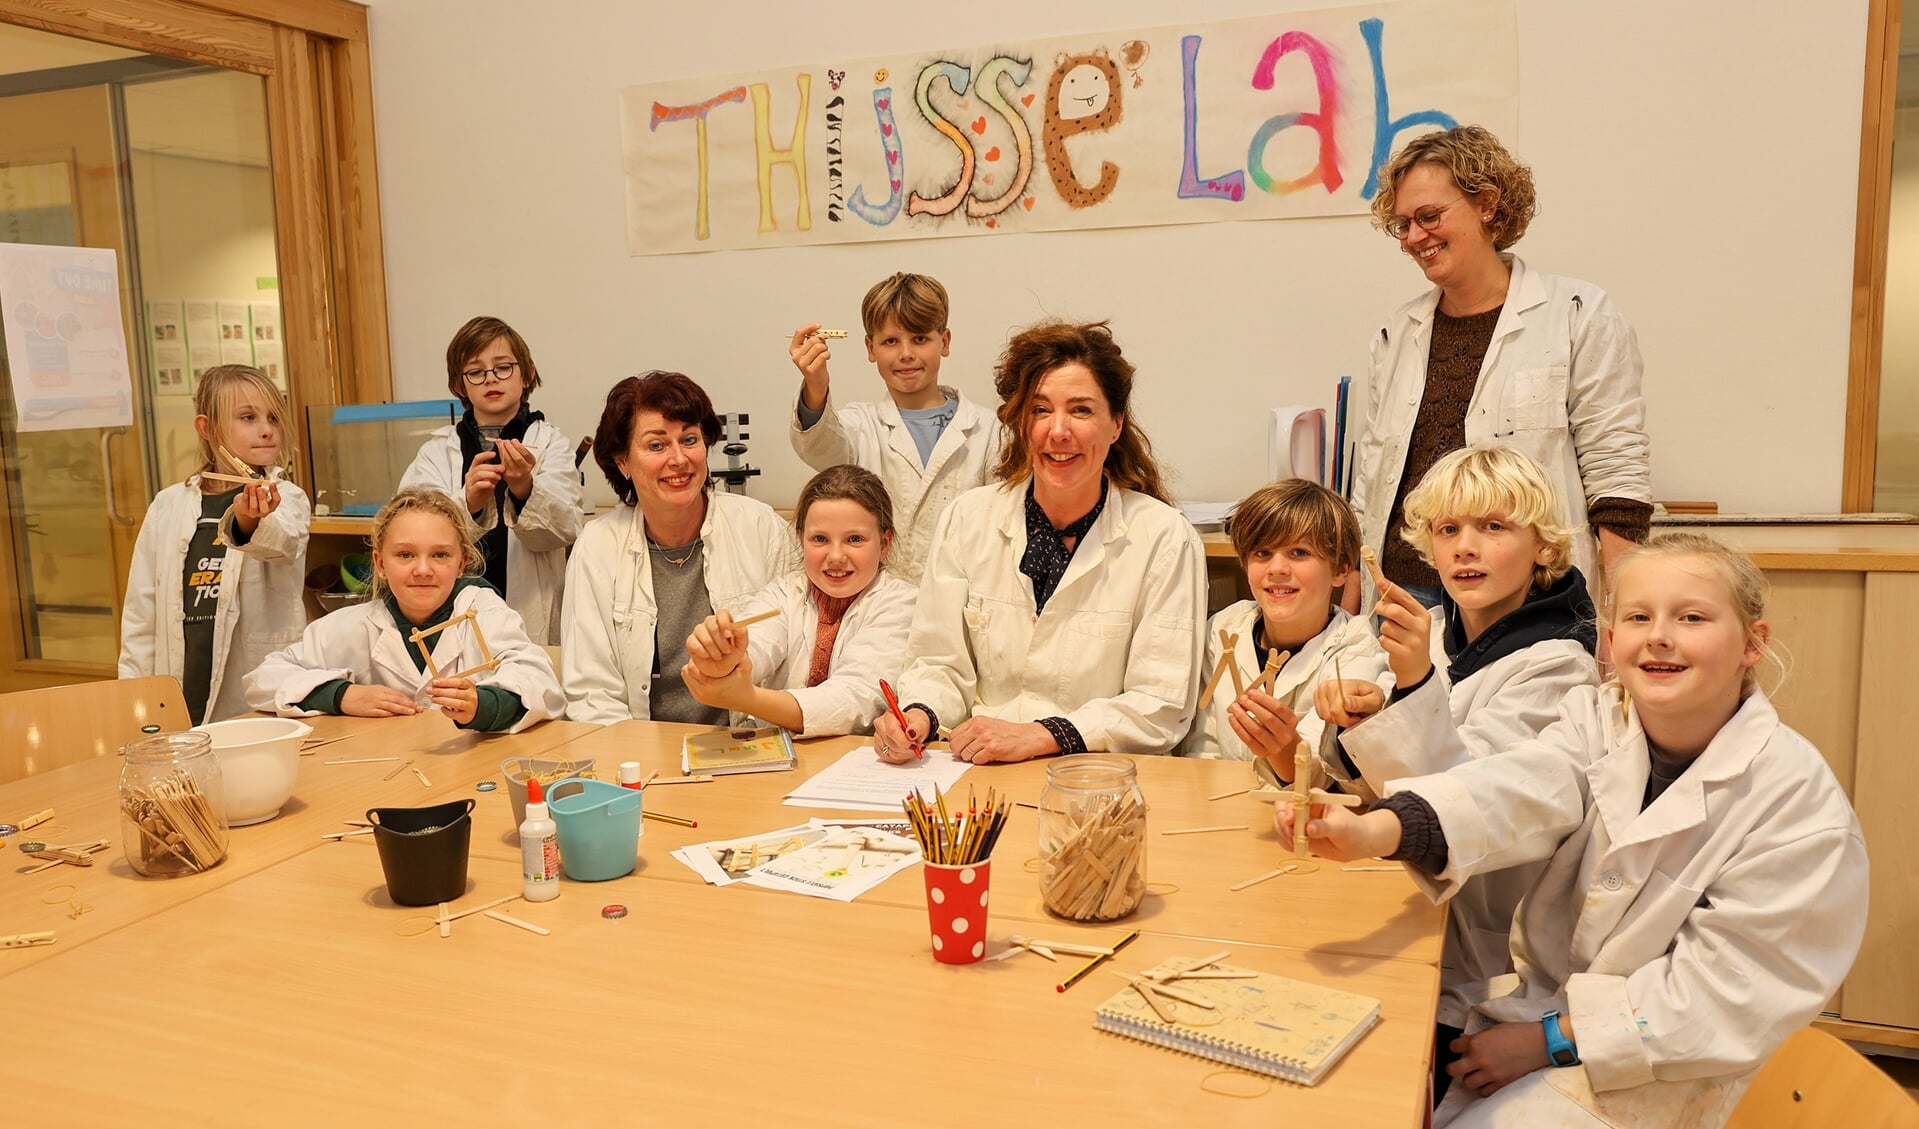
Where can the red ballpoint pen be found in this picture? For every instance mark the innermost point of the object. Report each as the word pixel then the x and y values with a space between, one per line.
pixel 893 703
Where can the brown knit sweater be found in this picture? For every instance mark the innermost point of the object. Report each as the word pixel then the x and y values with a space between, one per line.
pixel 1452 372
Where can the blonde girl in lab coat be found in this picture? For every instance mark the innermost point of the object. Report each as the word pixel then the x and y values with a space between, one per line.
pixel 1705 886
pixel 1298 542
pixel 512 469
pixel 361 660
pixel 1061 609
pixel 816 667
pixel 218 570
pixel 645 575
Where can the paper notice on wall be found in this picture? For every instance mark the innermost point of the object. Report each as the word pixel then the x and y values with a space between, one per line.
pixel 167 322
pixel 266 322
pixel 200 358
pixel 170 369
pixel 66 343
pixel 270 359
pixel 236 344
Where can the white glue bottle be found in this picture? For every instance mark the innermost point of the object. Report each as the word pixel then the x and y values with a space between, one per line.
pixel 539 848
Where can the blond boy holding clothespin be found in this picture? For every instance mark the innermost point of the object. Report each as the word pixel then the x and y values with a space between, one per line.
pixel 1298 543
pixel 1485 671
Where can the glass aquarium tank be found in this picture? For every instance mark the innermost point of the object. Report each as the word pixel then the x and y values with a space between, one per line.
pixel 360 451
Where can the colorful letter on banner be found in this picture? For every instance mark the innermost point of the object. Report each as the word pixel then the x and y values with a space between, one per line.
pixel 1118 117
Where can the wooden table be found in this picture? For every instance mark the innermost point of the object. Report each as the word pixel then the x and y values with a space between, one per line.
pixel 1371 914
pixel 290 996
pixel 86 801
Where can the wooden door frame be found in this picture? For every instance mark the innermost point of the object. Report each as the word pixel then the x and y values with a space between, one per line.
pixel 314 57
pixel 1877 125
pixel 313 54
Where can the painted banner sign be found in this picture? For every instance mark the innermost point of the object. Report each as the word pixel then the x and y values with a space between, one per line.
pixel 1271 117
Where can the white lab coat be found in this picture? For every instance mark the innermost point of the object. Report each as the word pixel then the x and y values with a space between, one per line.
pixel 870 645
pixel 1117 649
pixel 363 644
pixel 1560 382
pixel 1442 724
pixel 537 535
pixel 875 437
pixel 1346 638
pixel 1685 941
pixel 262 589
pixel 606 634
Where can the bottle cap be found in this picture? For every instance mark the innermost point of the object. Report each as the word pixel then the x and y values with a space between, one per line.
pixel 629 772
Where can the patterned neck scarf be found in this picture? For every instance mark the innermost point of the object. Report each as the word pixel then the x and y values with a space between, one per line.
pixel 831 609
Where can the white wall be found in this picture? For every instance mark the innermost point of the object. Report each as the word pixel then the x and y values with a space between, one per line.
pixel 1697 160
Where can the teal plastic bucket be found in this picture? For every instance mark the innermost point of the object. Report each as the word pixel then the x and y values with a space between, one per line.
pixel 598 826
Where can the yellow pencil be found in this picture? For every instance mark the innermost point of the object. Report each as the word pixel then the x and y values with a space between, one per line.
pixel 674 819
pixel 1097 961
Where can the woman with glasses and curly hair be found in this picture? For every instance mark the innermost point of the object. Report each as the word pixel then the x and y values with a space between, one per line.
pixel 1495 354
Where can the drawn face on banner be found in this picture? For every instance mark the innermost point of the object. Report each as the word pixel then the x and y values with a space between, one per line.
pixel 1085 91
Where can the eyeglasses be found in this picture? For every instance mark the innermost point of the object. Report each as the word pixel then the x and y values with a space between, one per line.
pixel 1427 218
pixel 502 371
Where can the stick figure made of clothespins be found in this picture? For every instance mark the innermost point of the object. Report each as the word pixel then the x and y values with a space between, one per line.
pixel 422 634
pixel 1305 770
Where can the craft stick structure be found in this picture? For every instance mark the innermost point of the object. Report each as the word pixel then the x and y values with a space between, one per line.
pixel 1226 644
pixel 1274 660
pixel 471 618
pixel 1305 770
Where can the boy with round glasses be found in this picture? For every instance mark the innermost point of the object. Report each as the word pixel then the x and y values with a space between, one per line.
pixel 510 469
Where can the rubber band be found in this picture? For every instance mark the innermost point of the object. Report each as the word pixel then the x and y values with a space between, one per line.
pixel 72 897
pixel 1265 1084
pixel 1031 865
pixel 404 931
pixel 1163 889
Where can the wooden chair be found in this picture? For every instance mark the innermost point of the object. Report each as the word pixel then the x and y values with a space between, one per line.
pixel 1816 1080
pixel 64 725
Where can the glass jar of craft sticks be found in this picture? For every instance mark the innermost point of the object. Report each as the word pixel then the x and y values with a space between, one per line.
pixel 173 806
pixel 1092 838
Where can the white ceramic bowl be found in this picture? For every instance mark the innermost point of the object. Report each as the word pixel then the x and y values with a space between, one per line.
pixel 259 758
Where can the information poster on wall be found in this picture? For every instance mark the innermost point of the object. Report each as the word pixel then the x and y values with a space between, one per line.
pixel 236 342
pixel 1280 116
pixel 167 322
pixel 66 342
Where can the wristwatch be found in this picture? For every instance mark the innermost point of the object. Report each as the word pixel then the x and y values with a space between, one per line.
pixel 1558 1048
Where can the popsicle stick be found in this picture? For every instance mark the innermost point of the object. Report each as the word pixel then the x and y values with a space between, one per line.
pixel 397 770
pixel 511 920
pixel 361 760
pixel 446 923
pixel 1227 643
pixel 1239 682
pixel 1371 869
pixel 753 619
pixel 1183 995
pixel 1228 795
pixel 307 748
pixel 1287 869
pixel 698 778
pixel 336 836
pixel 490 664
pixel 471 910
pixel 424 782
pixel 1203 830
pixel 1145 988
pixel 236 463
pixel 218 477
pixel 1195 966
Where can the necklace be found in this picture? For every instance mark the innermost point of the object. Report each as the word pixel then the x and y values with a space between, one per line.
pixel 679 561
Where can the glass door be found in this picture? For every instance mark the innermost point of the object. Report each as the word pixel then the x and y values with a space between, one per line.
pixel 165 163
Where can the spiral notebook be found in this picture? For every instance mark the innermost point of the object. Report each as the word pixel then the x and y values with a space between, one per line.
pixel 1268 1024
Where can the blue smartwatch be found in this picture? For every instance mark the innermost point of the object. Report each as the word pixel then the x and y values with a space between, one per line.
pixel 1558 1048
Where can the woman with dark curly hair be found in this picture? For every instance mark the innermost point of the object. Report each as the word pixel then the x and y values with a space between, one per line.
pixel 1496 354
pixel 1061 608
pixel 642 577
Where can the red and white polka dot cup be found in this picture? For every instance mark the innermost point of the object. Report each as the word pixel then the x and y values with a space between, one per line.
pixel 956 909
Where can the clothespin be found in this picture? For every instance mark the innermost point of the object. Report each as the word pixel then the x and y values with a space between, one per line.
pixel 1305 771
